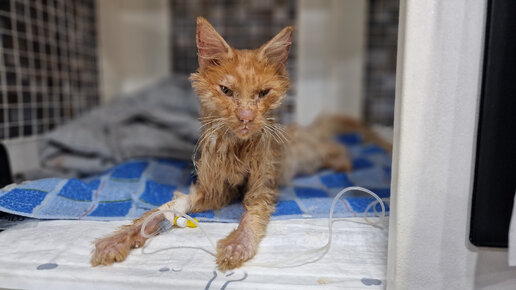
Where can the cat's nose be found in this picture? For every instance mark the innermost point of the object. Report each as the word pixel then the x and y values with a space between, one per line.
pixel 245 115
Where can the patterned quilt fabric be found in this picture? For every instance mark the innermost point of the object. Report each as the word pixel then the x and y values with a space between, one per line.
pixel 129 189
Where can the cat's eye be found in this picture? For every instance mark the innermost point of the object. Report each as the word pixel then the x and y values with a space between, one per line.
pixel 226 91
pixel 263 93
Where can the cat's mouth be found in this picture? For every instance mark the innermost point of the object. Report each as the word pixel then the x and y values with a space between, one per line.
pixel 244 131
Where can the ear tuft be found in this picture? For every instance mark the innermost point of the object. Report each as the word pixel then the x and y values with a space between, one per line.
pixel 277 49
pixel 211 47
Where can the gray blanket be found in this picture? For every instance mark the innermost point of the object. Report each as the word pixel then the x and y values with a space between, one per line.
pixel 159 121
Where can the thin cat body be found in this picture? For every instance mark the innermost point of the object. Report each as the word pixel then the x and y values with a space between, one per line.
pixel 242 152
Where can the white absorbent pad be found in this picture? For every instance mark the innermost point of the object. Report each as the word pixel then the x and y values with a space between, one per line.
pixel 55 255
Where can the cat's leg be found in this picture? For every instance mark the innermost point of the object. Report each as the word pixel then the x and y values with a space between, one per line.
pixel 116 247
pixel 336 157
pixel 307 155
pixel 242 244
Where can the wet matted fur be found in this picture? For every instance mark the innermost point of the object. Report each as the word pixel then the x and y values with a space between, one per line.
pixel 242 151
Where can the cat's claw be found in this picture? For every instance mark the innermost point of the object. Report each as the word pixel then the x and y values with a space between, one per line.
pixel 110 250
pixel 116 248
pixel 234 251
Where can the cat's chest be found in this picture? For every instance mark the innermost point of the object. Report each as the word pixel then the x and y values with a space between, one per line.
pixel 233 163
pixel 232 156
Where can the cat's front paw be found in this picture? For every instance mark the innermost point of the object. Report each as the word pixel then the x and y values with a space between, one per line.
pixel 235 250
pixel 110 250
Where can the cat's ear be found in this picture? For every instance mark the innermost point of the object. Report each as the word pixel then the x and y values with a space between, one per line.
pixel 211 47
pixel 277 49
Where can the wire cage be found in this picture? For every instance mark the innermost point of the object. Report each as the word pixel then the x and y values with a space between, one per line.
pixel 48 64
pixel 51 70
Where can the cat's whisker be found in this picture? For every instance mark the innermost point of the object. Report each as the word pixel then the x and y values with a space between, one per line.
pixel 215 122
pixel 266 133
pixel 280 126
pixel 205 123
pixel 210 132
pixel 279 134
pixel 198 145
pixel 268 129
pixel 282 136
pixel 215 128
pixel 279 141
pixel 204 136
pixel 273 135
pixel 211 119
pixel 204 119
pixel 281 129
pixel 207 118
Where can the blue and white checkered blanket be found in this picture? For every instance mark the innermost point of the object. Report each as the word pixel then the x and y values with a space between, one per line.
pixel 131 188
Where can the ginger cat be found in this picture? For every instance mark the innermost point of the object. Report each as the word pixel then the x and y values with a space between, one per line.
pixel 242 152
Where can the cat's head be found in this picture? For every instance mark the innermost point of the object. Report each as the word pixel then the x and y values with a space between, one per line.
pixel 239 88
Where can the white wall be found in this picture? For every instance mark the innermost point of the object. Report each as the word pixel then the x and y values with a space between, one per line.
pixel 23 154
pixel 133 44
pixel 440 55
pixel 330 37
